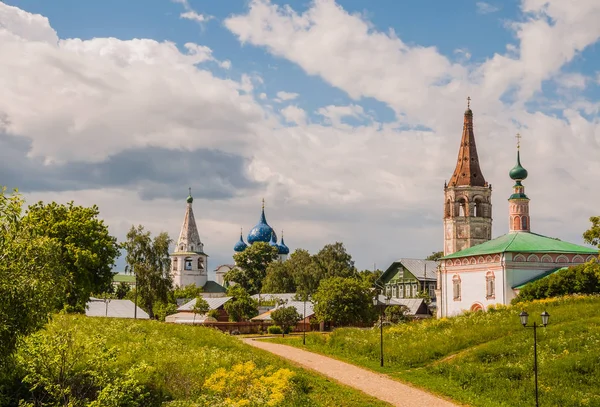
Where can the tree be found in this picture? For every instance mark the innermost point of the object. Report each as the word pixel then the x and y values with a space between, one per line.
pixel 87 250
pixel 396 313
pixel 252 266
pixel 435 256
pixel 279 279
pixel 592 235
pixel 345 301
pixel 241 307
pixel 286 317
pixel 200 307
pixel 334 261
pixel 370 276
pixel 188 292
pixel 305 272
pixel 32 281
pixel 122 290
pixel 149 260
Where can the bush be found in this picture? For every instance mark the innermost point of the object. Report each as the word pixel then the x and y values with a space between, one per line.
pixel 275 330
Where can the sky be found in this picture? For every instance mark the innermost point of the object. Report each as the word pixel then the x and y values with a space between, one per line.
pixel 345 116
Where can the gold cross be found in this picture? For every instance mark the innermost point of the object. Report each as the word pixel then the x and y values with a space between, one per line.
pixel 468 102
pixel 518 137
pixel 263 203
pixel 190 189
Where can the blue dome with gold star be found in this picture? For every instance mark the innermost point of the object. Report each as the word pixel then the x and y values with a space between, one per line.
pixel 240 246
pixel 283 249
pixel 262 232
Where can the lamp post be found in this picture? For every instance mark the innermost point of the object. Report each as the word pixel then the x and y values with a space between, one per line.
pixel 375 303
pixel 524 316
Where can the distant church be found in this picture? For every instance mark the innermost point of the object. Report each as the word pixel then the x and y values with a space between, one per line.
pixel 189 263
pixel 475 271
pixel 262 232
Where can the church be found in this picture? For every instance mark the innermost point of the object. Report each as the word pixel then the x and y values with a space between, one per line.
pixel 477 271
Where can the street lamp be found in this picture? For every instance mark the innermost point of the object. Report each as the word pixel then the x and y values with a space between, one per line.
pixel 375 303
pixel 524 316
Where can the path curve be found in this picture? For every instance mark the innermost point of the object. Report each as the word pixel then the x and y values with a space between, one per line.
pixel 374 384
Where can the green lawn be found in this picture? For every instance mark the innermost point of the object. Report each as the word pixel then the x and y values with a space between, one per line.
pixel 178 362
pixel 485 359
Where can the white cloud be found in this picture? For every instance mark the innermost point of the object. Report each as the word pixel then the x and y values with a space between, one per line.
pixel 225 64
pixel 571 80
pixel 294 114
pixel 335 114
pixel 191 14
pixel 285 96
pixel 486 8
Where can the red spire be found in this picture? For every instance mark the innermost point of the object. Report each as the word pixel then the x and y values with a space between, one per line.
pixel 467 171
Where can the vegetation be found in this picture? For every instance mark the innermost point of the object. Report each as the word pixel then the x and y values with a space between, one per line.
pixel 241 307
pixel 486 358
pixel 149 260
pixel 275 330
pixel 200 307
pixel 580 279
pixel 86 249
pixel 79 361
pixel 344 301
pixel 592 235
pixel 435 256
pixel 286 317
pixel 252 266
pixel 396 313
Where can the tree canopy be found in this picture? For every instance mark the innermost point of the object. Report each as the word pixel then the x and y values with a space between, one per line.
pixel 334 261
pixel 279 278
pixel 344 301
pixel 85 246
pixel 592 235
pixel 435 256
pixel 241 307
pixel 149 260
pixel 285 317
pixel 251 266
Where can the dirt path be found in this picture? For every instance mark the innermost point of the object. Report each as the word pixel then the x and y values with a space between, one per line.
pixel 374 384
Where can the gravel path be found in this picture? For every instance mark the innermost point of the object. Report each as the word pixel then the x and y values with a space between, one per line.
pixel 374 384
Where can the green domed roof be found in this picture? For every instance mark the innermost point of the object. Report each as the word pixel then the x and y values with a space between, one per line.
pixel 189 198
pixel 518 173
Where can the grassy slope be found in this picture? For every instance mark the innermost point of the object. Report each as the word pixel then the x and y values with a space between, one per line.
pixel 184 356
pixel 486 359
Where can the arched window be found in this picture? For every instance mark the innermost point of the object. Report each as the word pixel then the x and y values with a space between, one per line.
pixel 200 263
pixel 456 287
pixel 516 222
pixel 524 223
pixel 175 264
pixel 490 285
pixel 462 207
pixel 478 208
pixel 192 248
pixel 447 213
pixel 188 263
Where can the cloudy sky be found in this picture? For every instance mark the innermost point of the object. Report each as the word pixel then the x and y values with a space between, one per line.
pixel 345 116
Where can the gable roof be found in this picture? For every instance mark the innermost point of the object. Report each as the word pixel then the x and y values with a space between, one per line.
pixel 416 306
pixel 522 242
pixel 421 269
pixel 213 303
pixel 539 277
pixel 299 305
pixel 213 287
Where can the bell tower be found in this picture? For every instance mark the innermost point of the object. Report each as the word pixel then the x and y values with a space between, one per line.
pixel 467 197
pixel 518 203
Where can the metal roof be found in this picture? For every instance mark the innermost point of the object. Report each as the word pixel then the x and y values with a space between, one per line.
pixel 522 242
pixel 413 304
pixel 213 303
pixel 282 296
pixel 97 307
pixel 421 269
pixel 539 277
pixel 299 305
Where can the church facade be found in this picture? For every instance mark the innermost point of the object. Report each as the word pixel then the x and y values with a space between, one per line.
pixel 477 271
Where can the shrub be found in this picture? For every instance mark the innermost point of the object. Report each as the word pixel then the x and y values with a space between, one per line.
pixel 274 330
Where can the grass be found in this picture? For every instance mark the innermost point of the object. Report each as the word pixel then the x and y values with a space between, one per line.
pixel 485 359
pixel 182 359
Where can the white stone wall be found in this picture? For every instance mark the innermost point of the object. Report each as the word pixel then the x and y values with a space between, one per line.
pixel 182 277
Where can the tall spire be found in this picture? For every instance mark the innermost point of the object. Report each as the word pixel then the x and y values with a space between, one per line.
pixel 189 238
pixel 467 171
pixel 518 207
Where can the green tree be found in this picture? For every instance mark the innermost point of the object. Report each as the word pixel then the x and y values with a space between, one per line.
pixel 87 249
pixel 370 276
pixel 32 281
pixel 305 271
pixel 251 266
pixel 279 279
pixel 435 256
pixel 121 290
pixel 396 313
pixel 592 235
pixel 580 279
pixel 188 292
pixel 334 261
pixel 200 307
pixel 345 301
pixel 286 317
pixel 241 307
pixel 149 260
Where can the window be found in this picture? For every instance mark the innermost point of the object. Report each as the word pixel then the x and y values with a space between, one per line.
pixel 394 291
pixel 462 207
pixel 490 285
pixel 456 287
pixel 406 290
pixel 192 248
pixel 432 291
pixel 200 263
pixel 478 209
pixel 401 291
pixel 516 222
pixel 188 263
pixel 175 264
pixel 524 222
pixel 414 290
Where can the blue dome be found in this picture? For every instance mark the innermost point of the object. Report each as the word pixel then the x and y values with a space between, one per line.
pixel 283 249
pixel 262 232
pixel 240 246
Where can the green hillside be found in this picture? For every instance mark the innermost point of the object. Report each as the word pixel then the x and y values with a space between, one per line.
pixel 148 363
pixel 486 359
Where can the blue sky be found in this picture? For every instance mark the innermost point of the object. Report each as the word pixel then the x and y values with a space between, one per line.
pixel 355 149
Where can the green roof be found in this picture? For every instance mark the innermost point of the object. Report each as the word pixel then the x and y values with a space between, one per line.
pixel 522 242
pixel 213 287
pixel 536 278
pixel 187 254
pixel 124 278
